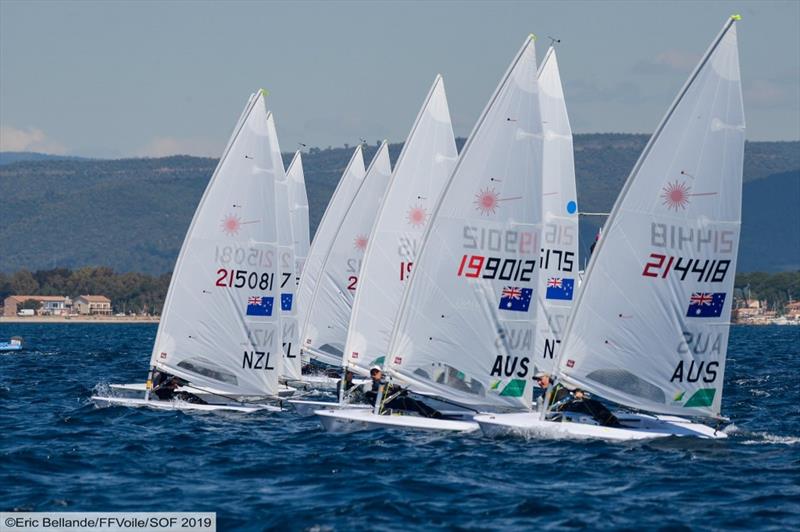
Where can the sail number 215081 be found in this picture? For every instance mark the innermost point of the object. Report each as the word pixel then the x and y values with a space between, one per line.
pixel 244 278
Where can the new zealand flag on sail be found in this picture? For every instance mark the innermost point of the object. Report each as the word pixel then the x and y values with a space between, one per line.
pixel 259 306
pixel 560 288
pixel 706 305
pixel 286 302
pixel 516 298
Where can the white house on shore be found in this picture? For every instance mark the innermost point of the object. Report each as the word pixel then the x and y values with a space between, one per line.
pixel 89 304
pixel 49 305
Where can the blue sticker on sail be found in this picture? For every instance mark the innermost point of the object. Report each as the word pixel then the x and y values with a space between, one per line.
pixel 560 288
pixel 516 298
pixel 706 305
pixel 572 207
pixel 259 306
pixel 286 302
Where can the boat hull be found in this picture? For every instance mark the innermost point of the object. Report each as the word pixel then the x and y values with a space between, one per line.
pixel 347 420
pixel 320 383
pixel 307 408
pixel 138 389
pixel 8 347
pixel 243 408
pixel 636 427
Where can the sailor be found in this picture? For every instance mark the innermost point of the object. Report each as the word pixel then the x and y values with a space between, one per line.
pixel 167 386
pixel 576 401
pixel 594 244
pixel 350 387
pixel 396 398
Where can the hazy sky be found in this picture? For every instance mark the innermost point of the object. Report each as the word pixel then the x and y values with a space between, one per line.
pixel 113 79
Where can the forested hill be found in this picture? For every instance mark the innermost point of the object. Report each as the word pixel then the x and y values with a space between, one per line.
pixel 131 214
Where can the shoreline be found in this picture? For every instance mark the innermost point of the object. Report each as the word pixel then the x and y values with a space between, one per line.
pixel 77 319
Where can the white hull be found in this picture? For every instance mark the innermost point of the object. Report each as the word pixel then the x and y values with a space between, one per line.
pixel 637 427
pixel 307 408
pixel 358 419
pixel 320 382
pixel 182 405
pixel 137 389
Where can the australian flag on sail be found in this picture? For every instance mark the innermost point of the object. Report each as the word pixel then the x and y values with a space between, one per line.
pixel 286 302
pixel 259 306
pixel 560 288
pixel 706 305
pixel 516 298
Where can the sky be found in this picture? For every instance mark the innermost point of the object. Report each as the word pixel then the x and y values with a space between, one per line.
pixel 120 79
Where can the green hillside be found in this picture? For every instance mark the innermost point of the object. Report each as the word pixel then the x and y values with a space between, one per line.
pixel 131 214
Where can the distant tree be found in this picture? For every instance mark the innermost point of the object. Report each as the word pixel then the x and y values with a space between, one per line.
pixel 23 282
pixel 5 286
pixel 30 304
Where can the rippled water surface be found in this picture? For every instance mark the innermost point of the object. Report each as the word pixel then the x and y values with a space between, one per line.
pixel 59 452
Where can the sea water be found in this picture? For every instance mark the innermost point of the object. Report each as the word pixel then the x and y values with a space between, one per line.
pixel 58 452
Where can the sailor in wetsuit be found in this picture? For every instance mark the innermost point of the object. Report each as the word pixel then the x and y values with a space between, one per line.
pixel 165 386
pixel 576 401
pixel 395 398
pixel 351 391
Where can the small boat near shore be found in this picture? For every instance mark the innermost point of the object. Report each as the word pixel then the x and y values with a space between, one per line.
pixel 14 344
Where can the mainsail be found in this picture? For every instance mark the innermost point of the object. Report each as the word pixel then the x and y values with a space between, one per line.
pixel 558 276
pixel 427 160
pixel 220 323
pixel 298 212
pixel 325 329
pixel 298 208
pixel 328 228
pixel 290 345
pixel 466 327
pixel 650 325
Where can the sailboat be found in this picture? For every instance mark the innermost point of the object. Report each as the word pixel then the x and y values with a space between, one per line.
pixel 324 332
pixel 287 272
pixel 349 184
pixel 220 326
pixel 298 210
pixel 423 167
pixel 558 263
pixel 464 330
pixel 650 326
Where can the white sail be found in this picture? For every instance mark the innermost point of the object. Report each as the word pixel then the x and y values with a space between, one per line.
pixel 290 336
pixel 325 330
pixel 328 228
pixel 298 207
pixel 650 326
pixel 466 326
pixel 220 324
pixel 559 257
pixel 298 212
pixel 427 160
